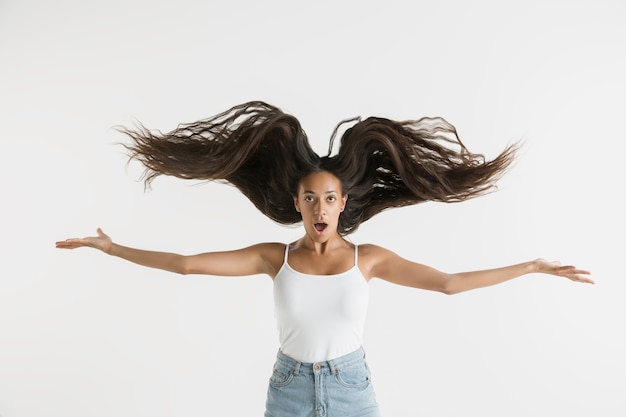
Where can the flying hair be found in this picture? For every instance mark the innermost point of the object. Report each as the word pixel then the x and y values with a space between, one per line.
pixel 264 152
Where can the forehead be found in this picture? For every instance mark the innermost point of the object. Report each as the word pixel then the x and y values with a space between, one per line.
pixel 320 182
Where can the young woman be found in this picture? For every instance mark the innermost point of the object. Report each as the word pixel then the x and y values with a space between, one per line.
pixel 321 280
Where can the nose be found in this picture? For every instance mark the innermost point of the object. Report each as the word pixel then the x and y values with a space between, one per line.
pixel 318 208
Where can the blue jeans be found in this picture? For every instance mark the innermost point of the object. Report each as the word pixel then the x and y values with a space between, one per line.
pixel 340 387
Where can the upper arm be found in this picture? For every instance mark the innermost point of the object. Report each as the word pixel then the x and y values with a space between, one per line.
pixel 389 266
pixel 262 258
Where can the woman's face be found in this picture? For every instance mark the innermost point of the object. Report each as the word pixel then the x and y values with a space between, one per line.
pixel 320 201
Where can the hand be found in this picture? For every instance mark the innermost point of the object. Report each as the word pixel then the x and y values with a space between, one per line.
pixel 567 271
pixel 102 242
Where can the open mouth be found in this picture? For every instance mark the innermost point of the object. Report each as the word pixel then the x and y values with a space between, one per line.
pixel 320 227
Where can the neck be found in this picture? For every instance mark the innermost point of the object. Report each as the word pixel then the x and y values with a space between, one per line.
pixel 334 242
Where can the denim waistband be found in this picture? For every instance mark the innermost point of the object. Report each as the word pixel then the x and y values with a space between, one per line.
pixel 333 365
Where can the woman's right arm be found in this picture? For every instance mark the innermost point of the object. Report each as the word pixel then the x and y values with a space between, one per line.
pixel 257 259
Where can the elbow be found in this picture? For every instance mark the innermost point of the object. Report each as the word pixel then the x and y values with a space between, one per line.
pixel 450 287
pixel 447 291
pixel 185 270
pixel 182 267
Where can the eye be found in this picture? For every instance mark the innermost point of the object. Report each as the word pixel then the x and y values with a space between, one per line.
pixel 308 199
pixel 332 199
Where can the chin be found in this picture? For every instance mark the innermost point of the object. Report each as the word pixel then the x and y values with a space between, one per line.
pixel 320 237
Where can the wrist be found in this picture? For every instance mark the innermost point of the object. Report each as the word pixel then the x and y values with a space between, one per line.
pixel 111 250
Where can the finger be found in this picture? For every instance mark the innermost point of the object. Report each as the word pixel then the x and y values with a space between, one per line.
pixel 575 274
pixel 584 279
pixel 66 245
pixel 70 243
pixel 570 269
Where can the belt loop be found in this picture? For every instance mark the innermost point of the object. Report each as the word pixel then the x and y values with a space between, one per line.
pixel 333 368
pixel 296 368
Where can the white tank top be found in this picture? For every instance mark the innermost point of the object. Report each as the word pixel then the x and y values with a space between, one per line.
pixel 320 317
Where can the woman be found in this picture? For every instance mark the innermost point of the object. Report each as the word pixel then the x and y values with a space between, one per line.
pixel 321 280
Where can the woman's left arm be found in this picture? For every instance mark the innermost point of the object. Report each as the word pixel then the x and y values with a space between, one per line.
pixel 390 267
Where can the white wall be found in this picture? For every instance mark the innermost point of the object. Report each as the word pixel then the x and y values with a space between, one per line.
pixel 82 334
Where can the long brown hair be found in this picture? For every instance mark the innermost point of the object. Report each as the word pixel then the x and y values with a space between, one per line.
pixel 264 152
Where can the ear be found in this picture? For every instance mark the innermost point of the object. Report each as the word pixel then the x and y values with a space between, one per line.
pixel 295 203
pixel 344 199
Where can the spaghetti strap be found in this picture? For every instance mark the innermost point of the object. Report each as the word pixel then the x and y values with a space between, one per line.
pixel 286 251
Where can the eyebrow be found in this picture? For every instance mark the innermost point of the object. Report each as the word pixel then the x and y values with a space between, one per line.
pixel 313 192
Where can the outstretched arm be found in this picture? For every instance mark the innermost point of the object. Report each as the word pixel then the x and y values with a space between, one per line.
pixel 252 260
pixel 390 267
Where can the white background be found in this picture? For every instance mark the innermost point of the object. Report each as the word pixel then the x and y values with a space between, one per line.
pixel 82 334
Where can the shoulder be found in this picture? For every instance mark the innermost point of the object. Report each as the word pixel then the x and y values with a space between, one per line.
pixel 372 257
pixel 373 251
pixel 270 246
pixel 272 253
pixel 269 250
